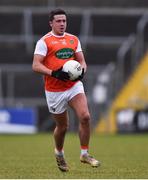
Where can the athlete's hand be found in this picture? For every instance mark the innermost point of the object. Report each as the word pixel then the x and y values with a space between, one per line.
pixel 81 76
pixel 59 74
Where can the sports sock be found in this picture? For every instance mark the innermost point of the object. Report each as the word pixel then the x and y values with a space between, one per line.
pixel 59 152
pixel 84 150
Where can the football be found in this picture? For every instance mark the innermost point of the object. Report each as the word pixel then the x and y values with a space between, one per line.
pixel 73 68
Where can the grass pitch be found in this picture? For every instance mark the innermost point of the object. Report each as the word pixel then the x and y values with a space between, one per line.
pixel 32 157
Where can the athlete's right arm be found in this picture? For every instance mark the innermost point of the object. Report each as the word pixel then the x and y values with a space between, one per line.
pixel 39 55
pixel 38 66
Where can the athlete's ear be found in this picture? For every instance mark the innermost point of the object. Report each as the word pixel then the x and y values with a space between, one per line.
pixel 50 23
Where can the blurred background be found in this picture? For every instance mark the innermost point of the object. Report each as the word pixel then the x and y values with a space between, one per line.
pixel 114 36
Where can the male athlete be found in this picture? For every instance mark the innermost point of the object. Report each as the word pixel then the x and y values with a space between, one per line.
pixel 51 52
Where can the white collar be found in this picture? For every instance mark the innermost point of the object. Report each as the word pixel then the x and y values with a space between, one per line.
pixel 57 35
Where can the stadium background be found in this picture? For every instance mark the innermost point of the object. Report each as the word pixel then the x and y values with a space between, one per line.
pixel 114 39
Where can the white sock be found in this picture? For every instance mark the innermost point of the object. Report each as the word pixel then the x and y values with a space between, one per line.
pixel 84 151
pixel 60 153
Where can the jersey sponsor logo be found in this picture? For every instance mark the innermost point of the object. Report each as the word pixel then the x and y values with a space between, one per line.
pixel 54 42
pixel 65 53
pixel 63 41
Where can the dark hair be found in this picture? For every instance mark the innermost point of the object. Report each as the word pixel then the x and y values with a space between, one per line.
pixel 56 12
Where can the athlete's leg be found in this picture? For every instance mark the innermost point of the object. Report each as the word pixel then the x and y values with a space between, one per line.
pixel 62 123
pixel 79 104
pixel 59 136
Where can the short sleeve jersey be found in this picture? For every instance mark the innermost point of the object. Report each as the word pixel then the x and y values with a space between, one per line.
pixel 57 50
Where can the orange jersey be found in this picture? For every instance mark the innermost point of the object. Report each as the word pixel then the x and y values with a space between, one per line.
pixel 59 50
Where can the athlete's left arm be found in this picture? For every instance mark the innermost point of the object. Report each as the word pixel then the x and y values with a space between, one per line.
pixel 81 59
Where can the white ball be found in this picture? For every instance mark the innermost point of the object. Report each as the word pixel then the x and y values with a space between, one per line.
pixel 73 68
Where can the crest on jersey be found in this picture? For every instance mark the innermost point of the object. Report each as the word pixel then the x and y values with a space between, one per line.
pixel 71 41
pixel 64 53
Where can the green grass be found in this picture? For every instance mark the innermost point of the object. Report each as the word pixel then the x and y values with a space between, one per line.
pixel 31 156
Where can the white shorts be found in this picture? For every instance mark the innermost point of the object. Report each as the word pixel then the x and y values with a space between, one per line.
pixel 58 101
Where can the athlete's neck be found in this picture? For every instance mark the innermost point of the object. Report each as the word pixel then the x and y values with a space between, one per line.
pixel 57 35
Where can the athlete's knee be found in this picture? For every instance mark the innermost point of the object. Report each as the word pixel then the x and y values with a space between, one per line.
pixel 85 118
pixel 63 128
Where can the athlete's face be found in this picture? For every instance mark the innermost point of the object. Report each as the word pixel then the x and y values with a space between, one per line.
pixel 58 24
